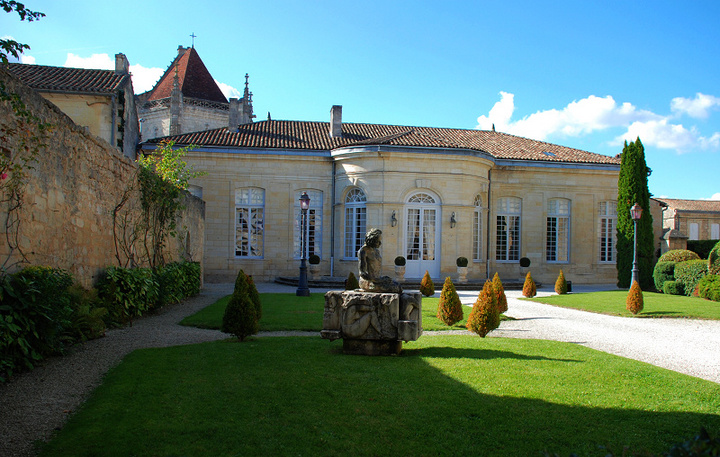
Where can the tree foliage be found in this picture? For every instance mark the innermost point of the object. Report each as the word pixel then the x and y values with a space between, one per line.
pixel 9 46
pixel 240 318
pixel 427 287
pixel 500 291
pixel 561 286
pixel 450 308
pixel 484 316
pixel 634 301
pixel 633 188
pixel 529 288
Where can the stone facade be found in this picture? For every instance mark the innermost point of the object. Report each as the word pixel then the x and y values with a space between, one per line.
pixel 683 220
pixel 67 212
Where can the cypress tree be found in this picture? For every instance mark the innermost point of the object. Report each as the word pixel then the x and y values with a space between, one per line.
pixel 633 188
pixel 484 316
pixel 500 291
pixel 450 308
pixel 427 287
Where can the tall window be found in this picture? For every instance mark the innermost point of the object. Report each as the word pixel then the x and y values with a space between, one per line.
pixel 715 231
pixel 355 219
pixel 694 231
pixel 507 228
pixel 249 222
pixel 313 228
pixel 608 223
pixel 477 229
pixel 557 243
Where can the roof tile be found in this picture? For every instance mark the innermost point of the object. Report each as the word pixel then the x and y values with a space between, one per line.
pixel 41 77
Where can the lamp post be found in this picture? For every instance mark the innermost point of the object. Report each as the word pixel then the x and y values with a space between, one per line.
pixel 636 214
pixel 303 290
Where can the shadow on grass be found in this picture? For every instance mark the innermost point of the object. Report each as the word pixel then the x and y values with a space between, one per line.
pixel 480 354
pixel 299 396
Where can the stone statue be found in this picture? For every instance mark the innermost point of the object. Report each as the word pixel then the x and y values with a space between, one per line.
pixel 370 262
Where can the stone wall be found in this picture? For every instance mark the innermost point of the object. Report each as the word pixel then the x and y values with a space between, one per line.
pixel 67 213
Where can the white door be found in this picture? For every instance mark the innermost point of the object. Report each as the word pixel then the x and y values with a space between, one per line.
pixel 422 236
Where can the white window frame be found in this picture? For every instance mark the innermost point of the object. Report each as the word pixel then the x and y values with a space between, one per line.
pixel 715 231
pixel 477 230
pixel 607 212
pixel 355 222
pixel 249 222
pixel 313 230
pixel 557 231
pixel 509 209
pixel 693 231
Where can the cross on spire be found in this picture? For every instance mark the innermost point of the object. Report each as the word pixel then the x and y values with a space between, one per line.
pixel 193 39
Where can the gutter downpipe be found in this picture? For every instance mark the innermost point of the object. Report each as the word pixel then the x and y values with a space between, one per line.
pixel 487 250
pixel 113 107
pixel 332 220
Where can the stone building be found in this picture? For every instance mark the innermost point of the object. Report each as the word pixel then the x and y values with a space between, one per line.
pixel 436 193
pixel 100 100
pixel 684 220
pixel 187 99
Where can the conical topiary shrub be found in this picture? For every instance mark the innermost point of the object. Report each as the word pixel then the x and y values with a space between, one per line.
pixel 500 291
pixel 634 301
pixel 254 297
pixel 351 283
pixel 529 289
pixel 427 287
pixel 450 308
pixel 561 284
pixel 484 316
pixel 240 318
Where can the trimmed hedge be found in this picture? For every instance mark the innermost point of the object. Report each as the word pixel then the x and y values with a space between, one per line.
pixel 701 247
pixel 678 255
pixel 690 273
pixel 709 287
pixel 663 271
pixel 673 288
pixel 714 260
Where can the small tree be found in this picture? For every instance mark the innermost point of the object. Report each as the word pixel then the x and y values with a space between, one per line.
pixel 634 302
pixel 561 284
pixel 484 316
pixel 240 318
pixel 351 283
pixel 529 288
pixel 427 287
pixel 500 291
pixel 450 308
pixel 254 297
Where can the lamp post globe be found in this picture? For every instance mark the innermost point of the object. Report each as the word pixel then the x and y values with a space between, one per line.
pixel 303 290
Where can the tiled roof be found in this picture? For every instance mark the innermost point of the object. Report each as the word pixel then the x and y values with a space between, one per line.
pixel 41 77
pixel 194 79
pixel 712 206
pixel 315 136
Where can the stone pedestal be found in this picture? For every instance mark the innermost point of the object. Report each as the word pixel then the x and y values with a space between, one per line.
pixel 372 323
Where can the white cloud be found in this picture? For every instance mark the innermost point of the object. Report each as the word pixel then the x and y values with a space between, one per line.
pixel 594 114
pixel 228 90
pixel 96 61
pixel 698 107
pixel 715 196
pixel 143 78
pixel 27 59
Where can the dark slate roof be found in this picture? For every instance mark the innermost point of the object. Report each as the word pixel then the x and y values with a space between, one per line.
pixel 299 135
pixel 708 206
pixel 63 79
pixel 194 79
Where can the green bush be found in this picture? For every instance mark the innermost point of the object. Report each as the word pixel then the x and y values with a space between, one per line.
pixel 561 284
pixel 689 273
pixel 36 317
pixel 427 287
pixel 709 287
pixel 240 318
pixel 128 292
pixel 351 283
pixel 663 271
pixel 484 317
pixel 461 262
pixel 714 260
pixel 673 288
pixel 450 308
pixel 88 314
pixel 177 281
pixel 678 255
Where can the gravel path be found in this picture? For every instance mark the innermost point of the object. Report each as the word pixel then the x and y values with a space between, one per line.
pixel 35 404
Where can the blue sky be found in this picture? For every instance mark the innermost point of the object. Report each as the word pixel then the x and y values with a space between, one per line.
pixel 585 74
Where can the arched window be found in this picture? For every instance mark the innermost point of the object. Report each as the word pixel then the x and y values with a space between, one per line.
pixel 507 229
pixel 608 222
pixel 557 240
pixel 313 229
pixel 355 222
pixel 249 222
pixel 477 229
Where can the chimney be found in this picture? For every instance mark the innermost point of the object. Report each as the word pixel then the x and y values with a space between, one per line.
pixel 181 50
pixel 234 116
pixel 336 121
pixel 122 66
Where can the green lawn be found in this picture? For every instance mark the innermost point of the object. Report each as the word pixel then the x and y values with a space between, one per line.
pixel 289 312
pixel 655 304
pixel 444 395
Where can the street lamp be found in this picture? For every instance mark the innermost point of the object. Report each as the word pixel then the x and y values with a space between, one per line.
pixel 636 214
pixel 303 290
